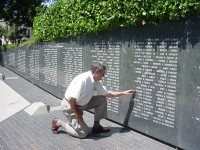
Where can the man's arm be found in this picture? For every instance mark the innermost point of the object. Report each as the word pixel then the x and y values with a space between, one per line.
pixel 72 102
pixel 117 94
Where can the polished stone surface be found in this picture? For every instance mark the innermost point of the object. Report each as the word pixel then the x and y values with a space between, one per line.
pixel 161 62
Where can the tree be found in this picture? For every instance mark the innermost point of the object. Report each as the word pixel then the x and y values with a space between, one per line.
pixel 20 12
pixel 2 31
pixel 14 33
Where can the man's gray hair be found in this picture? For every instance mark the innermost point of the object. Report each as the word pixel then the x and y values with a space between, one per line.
pixel 96 66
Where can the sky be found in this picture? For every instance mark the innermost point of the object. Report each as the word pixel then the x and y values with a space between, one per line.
pixel 49 3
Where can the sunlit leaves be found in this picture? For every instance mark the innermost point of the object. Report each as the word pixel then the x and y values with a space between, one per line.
pixel 77 17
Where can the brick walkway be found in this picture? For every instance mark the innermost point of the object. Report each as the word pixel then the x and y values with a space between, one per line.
pixel 22 131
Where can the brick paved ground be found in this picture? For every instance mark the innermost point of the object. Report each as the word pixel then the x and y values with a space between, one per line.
pixel 22 131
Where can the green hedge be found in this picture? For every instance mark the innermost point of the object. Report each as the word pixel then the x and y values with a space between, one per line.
pixel 8 46
pixel 76 17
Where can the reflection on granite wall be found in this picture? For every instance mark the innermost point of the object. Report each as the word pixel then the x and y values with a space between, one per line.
pixel 162 62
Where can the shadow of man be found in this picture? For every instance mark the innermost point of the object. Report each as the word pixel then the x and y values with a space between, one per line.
pixel 130 108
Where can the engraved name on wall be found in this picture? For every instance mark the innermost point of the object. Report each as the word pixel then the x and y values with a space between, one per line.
pixel 156 71
pixel 11 59
pixel 72 62
pixel 34 63
pixel 21 63
pixel 50 69
pixel 109 54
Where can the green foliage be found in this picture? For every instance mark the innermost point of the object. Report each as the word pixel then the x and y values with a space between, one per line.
pixel 2 30
pixel 28 43
pixel 20 12
pixel 12 32
pixel 6 47
pixel 76 17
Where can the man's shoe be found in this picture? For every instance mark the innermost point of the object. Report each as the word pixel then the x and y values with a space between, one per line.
pixel 100 129
pixel 54 127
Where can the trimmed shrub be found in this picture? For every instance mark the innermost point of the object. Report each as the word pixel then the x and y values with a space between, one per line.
pixel 76 17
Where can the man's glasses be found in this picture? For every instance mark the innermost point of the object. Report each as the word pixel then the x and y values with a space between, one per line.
pixel 103 74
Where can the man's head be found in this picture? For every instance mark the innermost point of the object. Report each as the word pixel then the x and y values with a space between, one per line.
pixel 98 70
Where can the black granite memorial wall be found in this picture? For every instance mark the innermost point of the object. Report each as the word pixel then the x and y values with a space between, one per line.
pixel 161 62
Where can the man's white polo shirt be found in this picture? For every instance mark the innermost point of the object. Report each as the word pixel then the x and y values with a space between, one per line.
pixel 83 87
